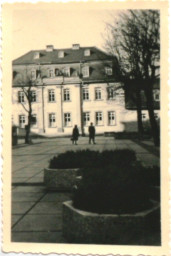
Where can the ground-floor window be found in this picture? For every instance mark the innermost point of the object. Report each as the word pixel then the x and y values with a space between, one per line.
pixel 34 120
pixel 143 116
pixel 99 118
pixel 111 118
pixel 22 121
pixel 67 119
pixel 52 120
pixel 86 117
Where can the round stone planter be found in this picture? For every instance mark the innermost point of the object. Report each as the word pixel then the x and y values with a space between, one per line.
pixel 60 179
pixel 86 227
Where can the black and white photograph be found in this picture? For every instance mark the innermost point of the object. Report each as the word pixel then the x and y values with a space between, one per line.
pixel 86 114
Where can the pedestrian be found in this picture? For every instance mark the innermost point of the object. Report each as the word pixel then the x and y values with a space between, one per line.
pixel 75 135
pixel 92 132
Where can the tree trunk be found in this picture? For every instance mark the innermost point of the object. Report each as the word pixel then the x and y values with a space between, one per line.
pixel 27 136
pixel 153 123
pixel 139 116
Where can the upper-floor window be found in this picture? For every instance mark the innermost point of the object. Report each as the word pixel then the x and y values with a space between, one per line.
pixel 99 118
pixel 156 95
pixel 22 121
pixel 58 72
pixel 111 118
pixel 33 96
pixel 111 93
pixel 51 73
pixel 33 74
pixel 86 118
pixel 52 120
pixel 98 93
pixel 67 119
pixel 108 71
pixel 51 95
pixel 85 94
pixel 21 97
pixel 87 52
pixel 156 116
pixel 66 94
pixel 143 116
pixel 85 71
pixel 60 54
pixel 66 71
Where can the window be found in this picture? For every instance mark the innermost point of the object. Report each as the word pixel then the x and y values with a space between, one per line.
pixel 85 71
pixel 67 119
pixel 111 93
pixel 108 71
pixel 98 93
pixel 87 52
pixel 34 120
pixel 33 74
pixel 51 73
pixel 111 118
pixel 51 95
pixel 52 120
pixel 22 121
pixel 86 118
pixel 66 95
pixel 66 71
pixel 21 97
pixel 60 54
pixel 58 72
pixel 156 95
pixel 156 116
pixel 33 96
pixel 99 118
pixel 85 94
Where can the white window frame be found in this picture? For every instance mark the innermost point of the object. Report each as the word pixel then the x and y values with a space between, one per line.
pixel 52 120
pixel 51 73
pixel 61 54
pixel 111 93
pixel 33 96
pixel 67 119
pixel 67 94
pixel 156 93
pixel 86 71
pixel 34 125
pixel 51 95
pixel 98 93
pixel 99 118
pixel 33 74
pixel 108 71
pixel 22 121
pixel 85 93
pixel 86 118
pixel 66 71
pixel 21 97
pixel 143 116
pixel 111 118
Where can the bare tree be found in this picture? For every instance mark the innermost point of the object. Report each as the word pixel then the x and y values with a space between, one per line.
pixel 135 39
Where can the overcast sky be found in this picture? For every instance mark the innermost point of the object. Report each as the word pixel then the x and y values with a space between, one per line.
pixel 34 28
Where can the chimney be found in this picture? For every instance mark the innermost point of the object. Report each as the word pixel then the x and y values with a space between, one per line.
pixel 75 46
pixel 49 48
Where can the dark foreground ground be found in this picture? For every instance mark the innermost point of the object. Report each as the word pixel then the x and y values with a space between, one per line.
pixel 37 213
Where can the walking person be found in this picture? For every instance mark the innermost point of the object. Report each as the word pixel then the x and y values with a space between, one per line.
pixel 92 132
pixel 75 135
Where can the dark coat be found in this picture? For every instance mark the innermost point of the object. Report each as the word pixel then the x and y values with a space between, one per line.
pixel 91 131
pixel 75 133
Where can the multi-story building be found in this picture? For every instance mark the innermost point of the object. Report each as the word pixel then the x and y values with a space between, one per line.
pixel 69 87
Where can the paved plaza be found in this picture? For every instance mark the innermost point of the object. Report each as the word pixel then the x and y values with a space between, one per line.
pixel 36 212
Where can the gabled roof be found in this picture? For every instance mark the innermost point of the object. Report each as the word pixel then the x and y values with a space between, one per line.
pixel 70 55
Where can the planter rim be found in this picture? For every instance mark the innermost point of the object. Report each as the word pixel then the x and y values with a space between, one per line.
pixel 57 169
pixel 114 215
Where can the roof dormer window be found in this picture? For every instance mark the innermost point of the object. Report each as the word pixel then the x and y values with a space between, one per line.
pixel 85 71
pixel 108 71
pixel 87 52
pixel 61 54
pixel 36 55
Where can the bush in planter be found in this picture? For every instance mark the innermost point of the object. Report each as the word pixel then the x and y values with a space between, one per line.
pixel 88 158
pixel 114 189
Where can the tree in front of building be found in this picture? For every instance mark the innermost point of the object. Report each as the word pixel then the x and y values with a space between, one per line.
pixel 134 37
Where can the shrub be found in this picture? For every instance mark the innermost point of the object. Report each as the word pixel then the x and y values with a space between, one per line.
pixel 114 189
pixel 88 158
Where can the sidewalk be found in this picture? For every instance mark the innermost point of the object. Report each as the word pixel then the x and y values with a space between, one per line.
pixel 37 213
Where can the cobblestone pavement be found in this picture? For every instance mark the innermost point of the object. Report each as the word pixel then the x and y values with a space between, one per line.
pixel 37 213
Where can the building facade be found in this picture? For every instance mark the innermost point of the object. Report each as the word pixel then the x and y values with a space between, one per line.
pixel 74 86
